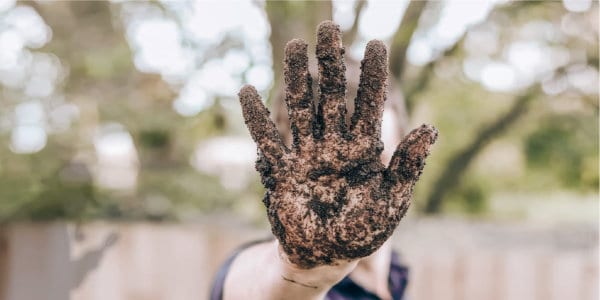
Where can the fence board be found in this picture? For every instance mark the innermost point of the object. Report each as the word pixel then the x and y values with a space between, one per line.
pixel 146 261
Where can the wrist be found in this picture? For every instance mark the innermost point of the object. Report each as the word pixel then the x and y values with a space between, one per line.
pixel 319 277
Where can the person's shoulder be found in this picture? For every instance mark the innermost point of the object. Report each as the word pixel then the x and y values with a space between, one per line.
pixel 216 291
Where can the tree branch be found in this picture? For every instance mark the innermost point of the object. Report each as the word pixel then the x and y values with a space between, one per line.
pixel 425 76
pixel 403 36
pixel 459 163
pixel 350 35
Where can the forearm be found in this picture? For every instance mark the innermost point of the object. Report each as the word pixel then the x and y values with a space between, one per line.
pixel 260 272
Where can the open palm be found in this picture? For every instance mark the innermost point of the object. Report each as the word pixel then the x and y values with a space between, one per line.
pixel 329 197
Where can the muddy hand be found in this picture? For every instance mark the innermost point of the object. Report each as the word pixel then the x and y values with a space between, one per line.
pixel 329 197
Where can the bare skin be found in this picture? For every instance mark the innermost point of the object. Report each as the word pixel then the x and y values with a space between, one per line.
pixel 260 272
pixel 267 270
pixel 372 272
pixel 329 199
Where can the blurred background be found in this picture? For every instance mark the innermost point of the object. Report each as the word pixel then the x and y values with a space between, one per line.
pixel 126 171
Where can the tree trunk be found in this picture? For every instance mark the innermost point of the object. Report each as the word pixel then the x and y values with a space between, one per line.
pixel 285 27
pixel 403 36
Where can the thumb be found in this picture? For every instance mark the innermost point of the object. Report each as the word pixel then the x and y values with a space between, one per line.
pixel 408 160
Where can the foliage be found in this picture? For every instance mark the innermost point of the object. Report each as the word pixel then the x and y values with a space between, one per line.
pixel 97 81
pixel 566 146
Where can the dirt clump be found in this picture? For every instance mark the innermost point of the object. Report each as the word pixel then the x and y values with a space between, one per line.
pixel 329 197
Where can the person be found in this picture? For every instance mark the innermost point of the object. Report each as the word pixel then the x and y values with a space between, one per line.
pixel 331 202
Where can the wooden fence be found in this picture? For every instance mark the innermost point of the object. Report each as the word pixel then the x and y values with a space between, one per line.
pixel 145 261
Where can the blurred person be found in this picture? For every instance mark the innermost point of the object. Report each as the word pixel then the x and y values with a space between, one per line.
pixel 331 202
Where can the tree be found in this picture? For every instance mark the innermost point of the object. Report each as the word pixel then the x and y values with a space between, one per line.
pixel 97 75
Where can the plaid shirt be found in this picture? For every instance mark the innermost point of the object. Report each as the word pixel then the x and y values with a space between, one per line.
pixel 343 290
